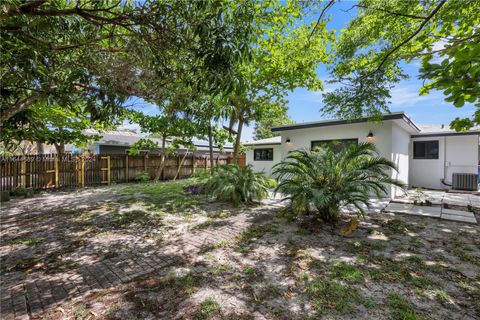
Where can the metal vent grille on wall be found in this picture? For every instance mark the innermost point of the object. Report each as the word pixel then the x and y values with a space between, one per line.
pixel 465 181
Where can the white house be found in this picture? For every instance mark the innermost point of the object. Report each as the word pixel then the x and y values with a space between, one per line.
pixel 426 156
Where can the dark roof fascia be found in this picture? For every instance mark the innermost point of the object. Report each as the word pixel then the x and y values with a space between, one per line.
pixel 445 134
pixel 264 144
pixel 393 116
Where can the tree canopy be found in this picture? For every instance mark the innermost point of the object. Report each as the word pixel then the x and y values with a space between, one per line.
pixel 96 54
pixel 70 65
pixel 385 34
pixel 276 116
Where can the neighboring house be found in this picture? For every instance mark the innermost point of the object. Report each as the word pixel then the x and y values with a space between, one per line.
pixel 426 156
pixel 118 142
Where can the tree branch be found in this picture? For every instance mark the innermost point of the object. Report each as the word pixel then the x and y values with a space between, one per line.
pixel 324 10
pixel 19 106
pixel 410 37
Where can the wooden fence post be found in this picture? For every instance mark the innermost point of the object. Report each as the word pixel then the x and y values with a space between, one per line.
pixel 126 168
pixel 82 170
pixel 57 175
pixel 178 167
pixel 23 173
pixel 108 169
pixel 194 164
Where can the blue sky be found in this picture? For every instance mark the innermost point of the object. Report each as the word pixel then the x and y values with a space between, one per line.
pixel 305 105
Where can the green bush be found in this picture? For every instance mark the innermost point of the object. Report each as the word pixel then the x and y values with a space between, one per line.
pixel 238 184
pixel 329 178
pixel 142 177
pixel 19 192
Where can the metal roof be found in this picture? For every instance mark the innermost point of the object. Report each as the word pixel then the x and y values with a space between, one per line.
pixel 128 138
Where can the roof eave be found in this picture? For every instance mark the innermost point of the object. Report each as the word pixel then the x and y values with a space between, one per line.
pixel 392 116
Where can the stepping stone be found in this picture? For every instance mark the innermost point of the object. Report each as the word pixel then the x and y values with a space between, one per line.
pixel 399 207
pixel 457 215
pixel 424 211
pixel 456 218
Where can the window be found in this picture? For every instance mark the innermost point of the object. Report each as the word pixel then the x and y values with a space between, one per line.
pixel 425 149
pixel 337 144
pixel 263 154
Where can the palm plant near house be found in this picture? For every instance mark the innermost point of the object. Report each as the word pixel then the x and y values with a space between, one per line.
pixel 329 180
pixel 238 184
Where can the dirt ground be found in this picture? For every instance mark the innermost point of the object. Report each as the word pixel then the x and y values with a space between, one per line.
pixel 393 267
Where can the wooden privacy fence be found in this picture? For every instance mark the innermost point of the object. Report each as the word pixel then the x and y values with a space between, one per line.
pixel 41 172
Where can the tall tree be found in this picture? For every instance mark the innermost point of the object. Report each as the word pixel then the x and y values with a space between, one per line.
pixel 384 34
pixel 98 53
pixel 275 116
pixel 285 53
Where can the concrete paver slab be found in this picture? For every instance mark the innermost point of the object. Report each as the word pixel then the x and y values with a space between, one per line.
pixel 458 218
pixel 399 207
pixel 425 211
pixel 460 213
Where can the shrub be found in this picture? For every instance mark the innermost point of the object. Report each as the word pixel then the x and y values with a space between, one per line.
pixel 238 184
pixel 142 177
pixel 328 179
pixel 19 191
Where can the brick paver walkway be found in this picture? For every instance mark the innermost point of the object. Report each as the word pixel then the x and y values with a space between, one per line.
pixel 23 297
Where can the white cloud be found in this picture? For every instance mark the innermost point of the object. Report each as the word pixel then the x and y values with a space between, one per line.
pixel 406 95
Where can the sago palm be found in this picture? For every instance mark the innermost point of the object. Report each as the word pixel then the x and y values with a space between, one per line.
pixel 329 180
pixel 238 184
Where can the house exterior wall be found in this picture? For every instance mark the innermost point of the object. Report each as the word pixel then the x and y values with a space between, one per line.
pixel 399 156
pixel 457 154
pixel 384 133
pixel 302 138
pixel 264 165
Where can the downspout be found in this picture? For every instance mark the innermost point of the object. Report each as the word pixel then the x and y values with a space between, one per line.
pixel 445 163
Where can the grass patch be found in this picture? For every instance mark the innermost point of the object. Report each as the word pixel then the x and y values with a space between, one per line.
pixel 208 308
pixel 365 246
pixel 221 244
pixel 392 271
pixel 396 226
pixel 346 272
pixel 26 241
pixel 250 271
pixel 168 196
pixel 70 212
pixel 220 269
pixel 331 295
pixel 133 216
pixel 401 309
pixel 252 233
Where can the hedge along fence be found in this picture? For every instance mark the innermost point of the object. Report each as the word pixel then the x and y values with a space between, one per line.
pixel 41 172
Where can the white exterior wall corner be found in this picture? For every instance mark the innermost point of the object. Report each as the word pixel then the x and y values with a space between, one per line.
pixel 457 154
pixel 399 156
pixel 264 166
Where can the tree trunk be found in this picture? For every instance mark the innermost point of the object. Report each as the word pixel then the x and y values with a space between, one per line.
pixel 180 165
pixel 210 145
pixel 237 140
pixel 40 149
pixel 60 147
pixel 162 160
